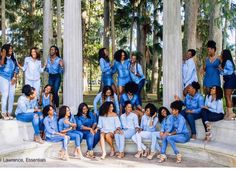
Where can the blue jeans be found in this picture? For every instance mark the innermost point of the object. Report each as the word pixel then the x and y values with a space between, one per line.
pixel 91 139
pixel 55 81
pixel 178 138
pixel 76 136
pixel 191 117
pixel 120 138
pixel 155 146
pixel 58 138
pixel 140 87
pixel 31 117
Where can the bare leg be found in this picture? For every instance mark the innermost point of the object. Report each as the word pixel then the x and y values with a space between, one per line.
pixel 109 139
pixel 102 144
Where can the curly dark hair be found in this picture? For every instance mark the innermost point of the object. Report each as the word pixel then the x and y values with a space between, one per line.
pixel 160 117
pixel 177 104
pixel 219 92
pixel 103 111
pixel 131 87
pixel 118 53
pixel 46 110
pixel 62 112
pixel 211 44
pixel 195 85
pixel 7 48
pixel 152 108
pixel 104 90
pixel 80 110
pixel 27 90
pixel 127 103
pixel 226 55
pixel 193 52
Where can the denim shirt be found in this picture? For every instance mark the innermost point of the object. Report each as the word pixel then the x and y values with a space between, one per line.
pixel 24 105
pixel 228 69
pixel 46 100
pixel 83 121
pixel 32 68
pixel 194 103
pixel 108 124
pixel 145 123
pixel 98 98
pixel 7 70
pixel 62 126
pixel 51 126
pixel 214 106
pixel 129 121
pixel 138 70
pixel 165 124
pixel 54 68
pixel 177 124
pixel 105 67
pixel 134 101
pixel 123 69
pixel 189 72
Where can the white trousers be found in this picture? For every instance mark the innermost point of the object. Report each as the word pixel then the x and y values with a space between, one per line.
pixel 137 138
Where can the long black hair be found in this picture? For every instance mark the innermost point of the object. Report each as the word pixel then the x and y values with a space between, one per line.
pixel 62 112
pixel 57 50
pixel 104 90
pixel 152 108
pixel 226 55
pixel 118 53
pixel 219 92
pixel 46 110
pixel 102 54
pixel 103 111
pixel 7 48
pixel 80 110
pixel 160 117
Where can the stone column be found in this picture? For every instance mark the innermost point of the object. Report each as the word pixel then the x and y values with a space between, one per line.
pixel 172 51
pixel 73 78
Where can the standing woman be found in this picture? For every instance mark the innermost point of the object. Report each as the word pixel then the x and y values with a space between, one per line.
pixel 107 94
pixel 136 74
pixel 54 68
pixel 67 125
pixel 121 66
pixel 227 68
pixel 52 133
pixel 87 124
pixel 33 68
pixel 8 77
pixel 213 110
pixel 212 73
pixel 108 123
pixel 106 68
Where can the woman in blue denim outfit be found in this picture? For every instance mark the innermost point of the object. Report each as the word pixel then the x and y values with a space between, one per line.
pixel 52 133
pixel 176 132
pixel 67 125
pixel 8 77
pixel 87 124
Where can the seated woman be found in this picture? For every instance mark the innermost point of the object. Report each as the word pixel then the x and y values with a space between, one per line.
pixel 67 126
pixel 148 125
pixel 107 94
pixel 87 124
pixel 46 97
pixel 108 123
pixel 129 126
pixel 213 110
pixel 194 102
pixel 25 112
pixel 163 114
pixel 130 95
pixel 52 133
pixel 176 132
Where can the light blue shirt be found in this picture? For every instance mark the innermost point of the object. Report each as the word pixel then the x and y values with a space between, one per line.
pixel 194 103
pixel 24 105
pixel 137 70
pixel 129 121
pixel 145 123
pixel 228 69
pixel 214 106
pixel 32 68
pixel 62 126
pixel 45 100
pixel 99 98
pixel 165 124
pixel 51 126
pixel 123 71
pixel 55 67
pixel 83 121
pixel 134 101
pixel 34 103
pixel 177 124
pixel 189 72
pixel 7 70
pixel 108 124
pixel 105 67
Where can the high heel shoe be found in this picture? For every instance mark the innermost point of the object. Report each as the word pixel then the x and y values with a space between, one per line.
pixel 103 156
pixel 146 152
pixel 4 116
pixel 178 158
pixel 208 136
pixel 162 158
pixel 139 154
pixel 151 155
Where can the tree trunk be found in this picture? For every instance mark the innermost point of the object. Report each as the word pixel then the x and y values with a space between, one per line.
pixel 106 25
pixel 47 30
pixel 112 27
pixel 215 30
pixel 172 52
pixel 59 42
pixel 3 22
pixel 154 87
pixel 190 24
pixel 131 30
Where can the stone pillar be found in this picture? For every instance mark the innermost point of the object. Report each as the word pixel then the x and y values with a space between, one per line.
pixel 73 78
pixel 172 52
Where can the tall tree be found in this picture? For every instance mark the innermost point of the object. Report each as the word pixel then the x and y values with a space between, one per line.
pixel 106 15
pixel 3 22
pixel 59 42
pixel 112 4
